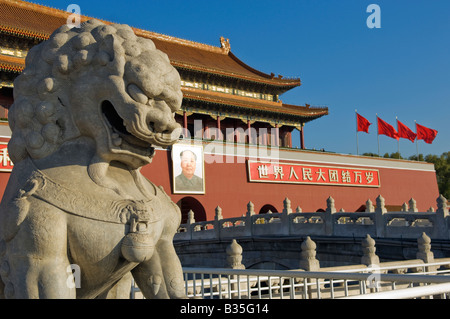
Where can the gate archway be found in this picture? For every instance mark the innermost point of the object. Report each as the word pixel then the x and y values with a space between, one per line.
pixel 265 209
pixel 190 203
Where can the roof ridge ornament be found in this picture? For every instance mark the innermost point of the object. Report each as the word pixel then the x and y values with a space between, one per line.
pixel 225 44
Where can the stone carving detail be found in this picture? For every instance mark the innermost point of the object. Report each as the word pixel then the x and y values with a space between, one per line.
pixel 90 107
pixel 308 259
pixel 250 209
pixel 287 206
pixel 369 206
pixel 369 256
pixel 218 213
pixel 380 205
pixel 413 206
pixel 330 205
pixel 234 255
pixel 225 44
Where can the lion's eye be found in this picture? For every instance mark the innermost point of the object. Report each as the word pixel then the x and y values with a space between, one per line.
pixel 137 94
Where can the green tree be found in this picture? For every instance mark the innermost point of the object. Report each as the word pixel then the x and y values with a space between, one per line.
pixel 417 158
pixel 371 154
pixel 393 155
pixel 442 167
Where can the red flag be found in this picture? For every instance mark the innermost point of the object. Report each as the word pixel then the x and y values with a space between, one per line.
pixel 362 124
pixel 405 132
pixel 425 133
pixel 386 129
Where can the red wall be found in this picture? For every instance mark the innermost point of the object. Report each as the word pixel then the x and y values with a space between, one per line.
pixel 227 186
pixel 4 176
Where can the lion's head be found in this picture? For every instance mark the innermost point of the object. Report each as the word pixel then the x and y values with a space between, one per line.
pixel 97 81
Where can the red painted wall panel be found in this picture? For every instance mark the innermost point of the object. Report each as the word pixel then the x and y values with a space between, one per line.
pixel 227 186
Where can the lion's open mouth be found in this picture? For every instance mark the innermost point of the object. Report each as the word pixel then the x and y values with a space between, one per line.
pixel 120 136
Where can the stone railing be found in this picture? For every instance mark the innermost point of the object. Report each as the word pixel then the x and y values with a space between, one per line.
pixel 375 221
pixel 309 279
pixel 309 262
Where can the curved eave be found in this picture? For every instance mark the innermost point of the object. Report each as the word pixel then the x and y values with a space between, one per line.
pixel 10 68
pixel 272 109
pixel 23 33
pixel 260 78
pixel 283 85
pixel 29 20
pixel 278 81
pixel 11 64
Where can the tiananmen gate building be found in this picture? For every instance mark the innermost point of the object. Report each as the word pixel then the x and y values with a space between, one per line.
pixel 238 129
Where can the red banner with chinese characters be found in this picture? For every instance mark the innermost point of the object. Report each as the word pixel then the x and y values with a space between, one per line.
pixel 6 165
pixel 312 174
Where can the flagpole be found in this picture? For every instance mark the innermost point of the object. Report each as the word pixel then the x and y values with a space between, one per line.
pixel 357 146
pixel 398 140
pixel 417 145
pixel 378 135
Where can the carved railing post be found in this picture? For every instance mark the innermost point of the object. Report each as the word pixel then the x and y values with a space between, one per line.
pixel 217 222
pixel 379 217
pixel 329 219
pixel 371 260
pixel 369 206
pixel 250 209
pixel 285 218
pixel 330 205
pixel 234 255
pixel 218 213
pixel 190 223
pixel 191 217
pixel 249 219
pixel 381 204
pixel 442 218
pixel 308 259
pixel 298 209
pixel 234 261
pixel 369 257
pixel 424 251
pixel 413 206
pixel 405 207
pixel 287 206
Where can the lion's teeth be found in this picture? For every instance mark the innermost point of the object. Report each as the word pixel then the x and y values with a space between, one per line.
pixel 117 141
pixel 166 136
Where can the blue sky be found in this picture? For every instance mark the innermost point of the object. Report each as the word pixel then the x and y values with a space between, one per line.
pixel 399 70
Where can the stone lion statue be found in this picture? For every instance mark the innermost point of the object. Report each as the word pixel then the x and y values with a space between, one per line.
pixel 89 108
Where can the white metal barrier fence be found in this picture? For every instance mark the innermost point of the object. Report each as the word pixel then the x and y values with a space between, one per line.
pixel 427 280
